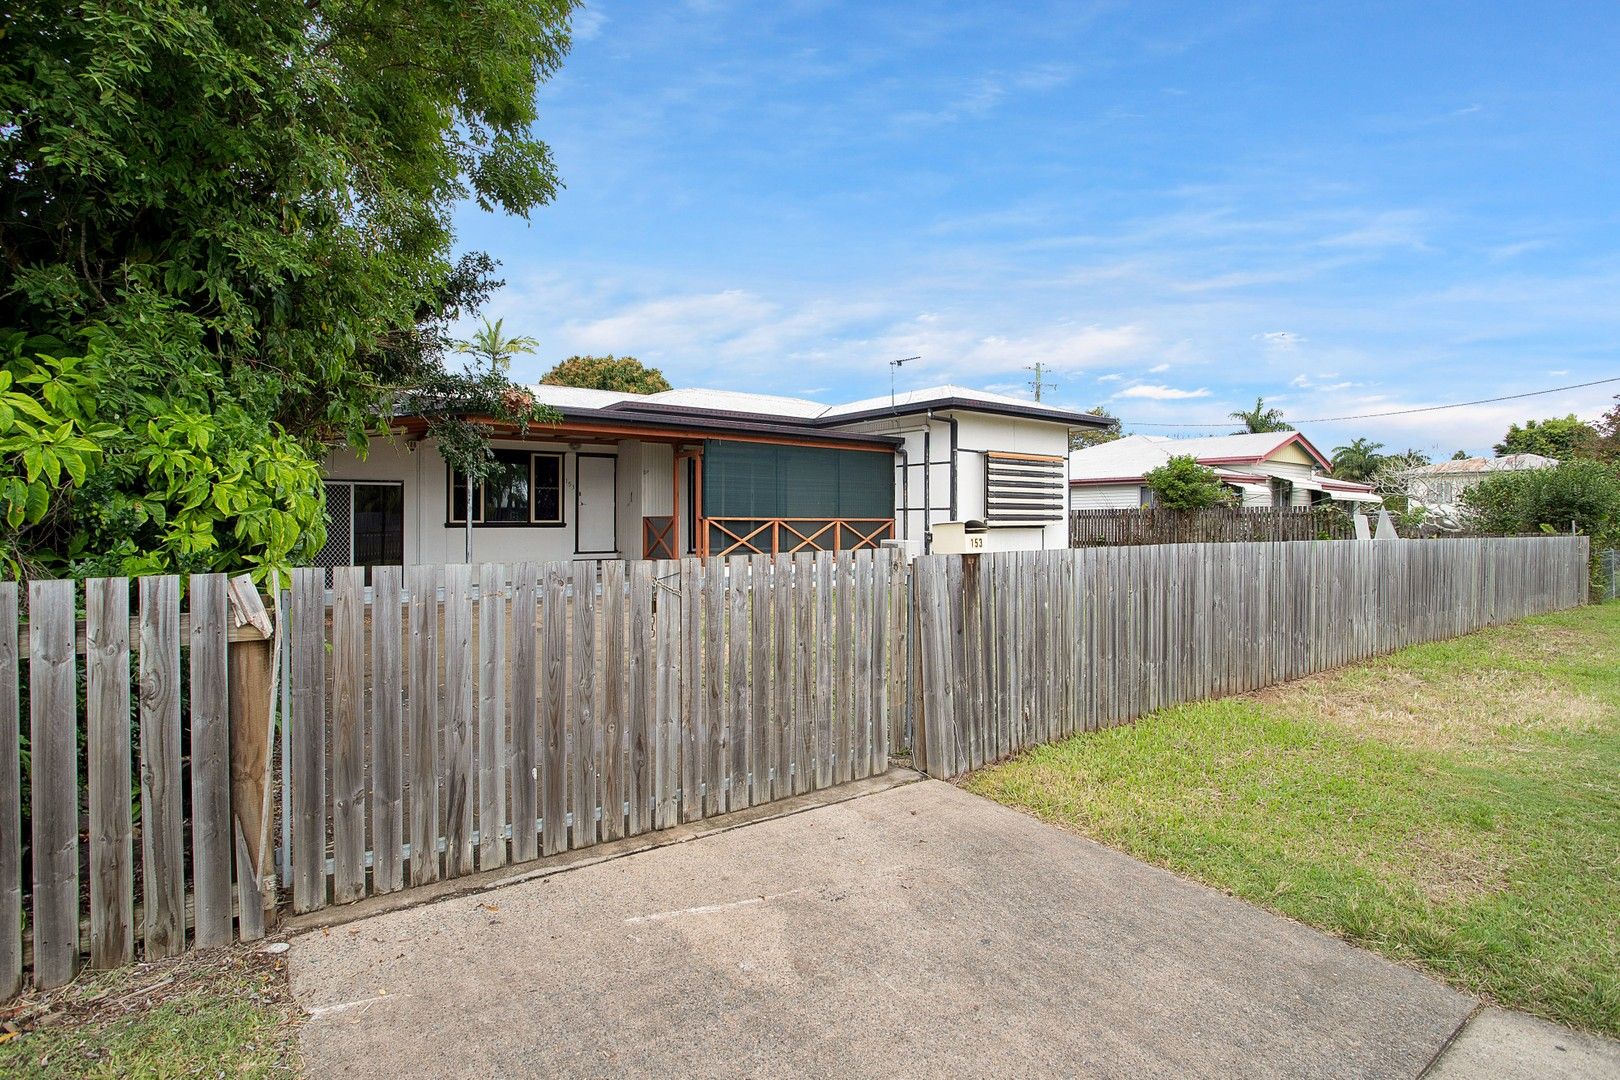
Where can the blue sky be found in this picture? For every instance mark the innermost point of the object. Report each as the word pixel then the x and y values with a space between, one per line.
pixel 1347 208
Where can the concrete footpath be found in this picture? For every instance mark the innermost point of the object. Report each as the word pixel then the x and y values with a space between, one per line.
pixel 917 931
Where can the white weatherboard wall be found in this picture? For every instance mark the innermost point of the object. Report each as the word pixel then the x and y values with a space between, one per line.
pixel 643 487
pixel 923 489
pixel 1105 497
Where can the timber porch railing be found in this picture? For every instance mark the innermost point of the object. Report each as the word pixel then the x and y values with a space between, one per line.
pixel 787 536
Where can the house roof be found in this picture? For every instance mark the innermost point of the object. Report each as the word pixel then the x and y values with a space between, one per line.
pixel 1473 465
pixel 1129 459
pixel 692 402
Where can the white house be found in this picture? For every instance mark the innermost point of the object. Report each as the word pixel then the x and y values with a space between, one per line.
pixel 1279 468
pixel 714 472
pixel 1438 488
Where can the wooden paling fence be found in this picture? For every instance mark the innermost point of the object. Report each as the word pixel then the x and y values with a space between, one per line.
pixel 1216 525
pixel 1022 648
pixel 486 715
pixel 439 721
pixel 191 847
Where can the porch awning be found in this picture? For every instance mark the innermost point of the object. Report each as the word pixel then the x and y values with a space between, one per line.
pixel 1340 494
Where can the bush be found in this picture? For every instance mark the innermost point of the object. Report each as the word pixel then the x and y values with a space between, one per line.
pixel 1183 484
pixel 1582 493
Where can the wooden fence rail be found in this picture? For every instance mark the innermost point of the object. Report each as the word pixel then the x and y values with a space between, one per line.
pixel 1023 648
pixel 1216 525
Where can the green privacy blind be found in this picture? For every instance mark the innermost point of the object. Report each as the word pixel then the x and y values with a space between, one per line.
pixel 758 480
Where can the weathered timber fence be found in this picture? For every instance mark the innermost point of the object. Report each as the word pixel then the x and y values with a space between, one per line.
pixel 1216 525
pixel 446 720
pixel 1023 648
pixel 570 704
pixel 184 775
pixel 439 721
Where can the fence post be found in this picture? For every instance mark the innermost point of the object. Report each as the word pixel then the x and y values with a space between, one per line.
pixel 251 677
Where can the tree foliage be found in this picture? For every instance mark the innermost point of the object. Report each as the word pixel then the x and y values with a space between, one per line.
pixel 1357 461
pixel 1183 484
pixel 463 409
pixel 1260 418
pixel 1560 437
pixel 1583 494
pixel 1607 447
pixel 1081 438
pixel 229 226
pixel 621 374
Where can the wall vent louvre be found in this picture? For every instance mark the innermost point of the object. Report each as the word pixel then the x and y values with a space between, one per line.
pixel 1023 489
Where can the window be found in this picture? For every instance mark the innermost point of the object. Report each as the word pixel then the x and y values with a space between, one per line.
pixel 524 489
pixel 365 525
pixel 1282 491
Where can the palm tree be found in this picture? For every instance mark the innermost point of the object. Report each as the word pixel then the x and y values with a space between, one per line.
pixel 1260 418
pixel 490 344
pixel 1358 461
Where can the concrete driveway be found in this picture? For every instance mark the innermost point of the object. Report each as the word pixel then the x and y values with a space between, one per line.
pixel 916 931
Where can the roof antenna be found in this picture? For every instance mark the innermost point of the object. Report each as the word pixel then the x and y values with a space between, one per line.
pixel 894 365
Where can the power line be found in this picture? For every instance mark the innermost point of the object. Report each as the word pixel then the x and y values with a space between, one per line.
pixel 1396 412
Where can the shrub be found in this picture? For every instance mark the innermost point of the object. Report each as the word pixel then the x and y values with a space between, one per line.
pixel 1183 484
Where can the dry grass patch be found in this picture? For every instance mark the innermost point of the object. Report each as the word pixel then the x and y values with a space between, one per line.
pixel 1439 709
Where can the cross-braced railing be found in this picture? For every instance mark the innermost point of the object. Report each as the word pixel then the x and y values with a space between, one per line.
pixel 785 536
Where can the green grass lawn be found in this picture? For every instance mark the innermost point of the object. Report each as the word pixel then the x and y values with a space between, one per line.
pixel 1455 805
pixel 226 1012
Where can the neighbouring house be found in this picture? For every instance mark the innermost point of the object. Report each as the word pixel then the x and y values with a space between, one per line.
pixel 712 473
pixel 1437 489
pixel 1268 469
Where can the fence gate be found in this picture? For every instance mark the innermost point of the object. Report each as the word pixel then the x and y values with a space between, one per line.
pixel 447 720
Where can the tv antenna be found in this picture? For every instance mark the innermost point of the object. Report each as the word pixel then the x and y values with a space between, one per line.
pixel 894 366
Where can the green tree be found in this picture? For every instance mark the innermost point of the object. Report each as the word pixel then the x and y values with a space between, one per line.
pixel 489 344
pixel 1461 455
pixel 1582 493
pixel 1561 437
pixel 1607 447
pixel 1183 484
pixel 1081 438
pixel 1260 418
pixel 621 374
pixel 232 222
pixel 1357 461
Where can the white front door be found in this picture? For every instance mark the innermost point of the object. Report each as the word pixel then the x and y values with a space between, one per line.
pixel 596 483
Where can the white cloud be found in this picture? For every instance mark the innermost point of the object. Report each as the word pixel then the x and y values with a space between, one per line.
pixel 1112 376
pixel 1157 368
pixel 1280 340
pixel 1389 229
pixel 587 23
pixel 1161 393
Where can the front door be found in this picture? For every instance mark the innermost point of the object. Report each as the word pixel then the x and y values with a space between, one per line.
pixel 595 495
